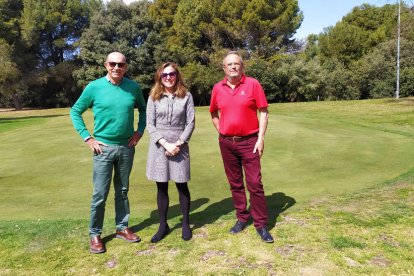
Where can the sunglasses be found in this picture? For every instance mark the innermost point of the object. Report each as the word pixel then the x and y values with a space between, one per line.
pixel 113 64
pixel 234 64
pixel 171 74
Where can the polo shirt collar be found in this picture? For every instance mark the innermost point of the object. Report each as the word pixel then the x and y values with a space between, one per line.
pixel 243 78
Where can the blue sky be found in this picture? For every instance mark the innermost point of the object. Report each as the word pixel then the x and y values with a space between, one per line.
pixel 319 14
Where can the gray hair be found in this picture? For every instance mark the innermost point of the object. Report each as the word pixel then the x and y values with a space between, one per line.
pixel 233 53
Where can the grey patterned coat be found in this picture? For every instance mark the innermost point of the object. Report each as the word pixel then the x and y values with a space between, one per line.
pixel 171 118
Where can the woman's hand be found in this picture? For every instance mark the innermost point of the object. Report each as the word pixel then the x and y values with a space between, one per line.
pixel 171 149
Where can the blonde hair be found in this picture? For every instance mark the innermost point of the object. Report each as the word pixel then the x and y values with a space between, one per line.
pixel 157 89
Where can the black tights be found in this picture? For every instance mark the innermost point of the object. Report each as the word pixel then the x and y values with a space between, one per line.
pixel 163 202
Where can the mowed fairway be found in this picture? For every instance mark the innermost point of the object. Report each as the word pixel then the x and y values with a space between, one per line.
pixel 318 157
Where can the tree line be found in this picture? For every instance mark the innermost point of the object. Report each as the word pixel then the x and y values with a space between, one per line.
pixel 50 49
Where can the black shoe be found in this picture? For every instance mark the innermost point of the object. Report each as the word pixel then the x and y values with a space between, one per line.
pixel 238 227
pixel 159 236
pixel 265 235
pixel 187 234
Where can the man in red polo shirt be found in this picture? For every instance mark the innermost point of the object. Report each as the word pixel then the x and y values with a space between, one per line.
pixel 234 104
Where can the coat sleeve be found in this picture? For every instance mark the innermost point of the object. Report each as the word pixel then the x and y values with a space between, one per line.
pixel 190 120
pixel 151 121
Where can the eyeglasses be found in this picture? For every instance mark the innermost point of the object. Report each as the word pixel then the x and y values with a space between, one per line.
pixel 234 64
pixel 113 64
pixel 171 74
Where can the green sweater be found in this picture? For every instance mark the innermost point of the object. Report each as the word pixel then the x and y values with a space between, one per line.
pixel 113 109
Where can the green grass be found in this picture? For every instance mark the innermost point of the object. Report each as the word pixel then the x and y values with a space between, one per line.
pixel 338 178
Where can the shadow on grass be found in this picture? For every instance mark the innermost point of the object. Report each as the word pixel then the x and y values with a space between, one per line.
pixel 407 100
pixel 12 123
pixel 173 211
pixel 277 203
pixel 6 120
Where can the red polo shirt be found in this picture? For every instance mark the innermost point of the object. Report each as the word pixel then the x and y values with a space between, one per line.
pixel 238 107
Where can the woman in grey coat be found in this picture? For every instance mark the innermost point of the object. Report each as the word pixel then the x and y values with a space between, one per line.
pixel 170 123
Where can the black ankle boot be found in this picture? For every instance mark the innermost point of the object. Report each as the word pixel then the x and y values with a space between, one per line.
pixel 186 233
pixel 159 236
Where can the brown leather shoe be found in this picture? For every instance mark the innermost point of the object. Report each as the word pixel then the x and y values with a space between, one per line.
pixel 128 235
pixel 96 245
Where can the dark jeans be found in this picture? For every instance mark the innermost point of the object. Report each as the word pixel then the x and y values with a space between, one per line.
pixel 117 159
pixel 239 156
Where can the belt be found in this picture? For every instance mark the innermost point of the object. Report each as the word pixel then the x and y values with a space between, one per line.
pixel 238 138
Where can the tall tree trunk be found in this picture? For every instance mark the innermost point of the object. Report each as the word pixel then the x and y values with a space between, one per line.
pixel 17 101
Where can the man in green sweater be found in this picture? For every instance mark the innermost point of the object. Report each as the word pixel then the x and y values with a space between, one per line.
pixel 112 99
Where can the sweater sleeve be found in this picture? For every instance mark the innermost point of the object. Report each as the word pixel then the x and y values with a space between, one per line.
pixel 142 118
pixel 81 105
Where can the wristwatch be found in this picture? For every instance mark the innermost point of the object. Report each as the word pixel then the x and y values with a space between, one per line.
pixel 87 138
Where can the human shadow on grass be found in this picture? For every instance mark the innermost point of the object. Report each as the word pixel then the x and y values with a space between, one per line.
pixel 277 203
pixel 173 211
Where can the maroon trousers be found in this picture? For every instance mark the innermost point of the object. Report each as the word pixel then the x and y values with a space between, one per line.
pixel 238 156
